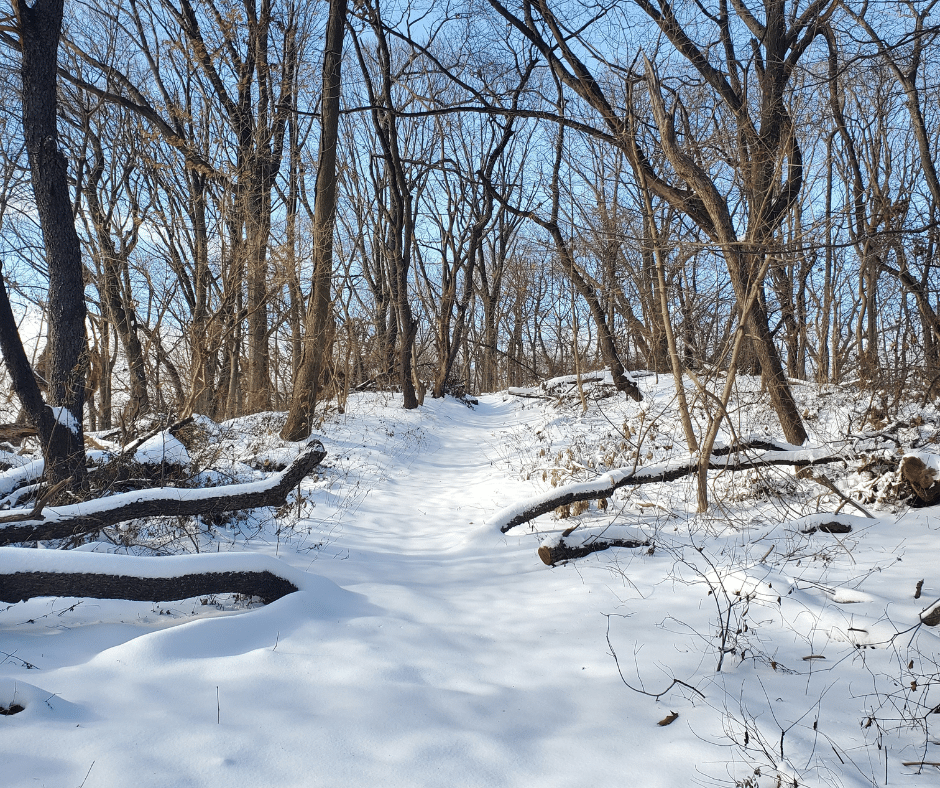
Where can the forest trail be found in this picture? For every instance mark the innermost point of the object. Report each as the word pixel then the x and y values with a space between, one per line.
pixel 428 649
pixel 435 652
pixel 441 482
pixel 493 666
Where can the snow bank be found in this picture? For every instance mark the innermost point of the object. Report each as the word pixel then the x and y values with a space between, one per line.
pixel 22 559
pixel 162 448
pixel 17 477
pixel 37 702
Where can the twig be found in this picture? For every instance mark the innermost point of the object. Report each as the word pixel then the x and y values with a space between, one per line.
pixel 826 482
pixel 86 774
pixel 36 512
pixel 656 695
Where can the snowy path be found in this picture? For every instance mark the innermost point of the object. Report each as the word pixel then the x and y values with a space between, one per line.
pixel 445 654
pixel 427 649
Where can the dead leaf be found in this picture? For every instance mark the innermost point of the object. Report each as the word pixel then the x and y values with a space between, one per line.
pixel 670 718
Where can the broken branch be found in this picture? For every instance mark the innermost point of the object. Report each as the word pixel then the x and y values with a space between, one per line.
pixel 63 522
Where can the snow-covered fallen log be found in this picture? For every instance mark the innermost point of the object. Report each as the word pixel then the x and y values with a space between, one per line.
pixel 526 393
pixel 760 454
pixel 63 522
pixel 828 523
pixel 26 573
pixel 555 550
pixel 931 615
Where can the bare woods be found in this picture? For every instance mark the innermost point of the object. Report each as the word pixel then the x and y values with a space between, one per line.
pixel 229 207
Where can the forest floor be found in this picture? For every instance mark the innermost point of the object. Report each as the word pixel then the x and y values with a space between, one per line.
pixel 433 650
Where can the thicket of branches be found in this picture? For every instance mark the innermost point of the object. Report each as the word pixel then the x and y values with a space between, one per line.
pixel 521 190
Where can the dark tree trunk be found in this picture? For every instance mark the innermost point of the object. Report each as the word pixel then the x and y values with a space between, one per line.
pixel 319 323
pixel 39 27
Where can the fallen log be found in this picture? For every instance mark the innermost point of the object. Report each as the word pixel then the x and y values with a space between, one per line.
pixel 553 554
pixel 15 434
pixel 63 522
pixel 26 573
pixel 26 585
pixel 523 393
pixel 727 459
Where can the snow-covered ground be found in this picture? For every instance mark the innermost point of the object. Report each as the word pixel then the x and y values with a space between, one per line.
pixel 426 648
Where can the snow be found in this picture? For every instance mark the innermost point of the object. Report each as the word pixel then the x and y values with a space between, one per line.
pixel 51 514
pixel 64 417
pixel 15 559
pixel 161 448
pixel 18 476
pixel 425 648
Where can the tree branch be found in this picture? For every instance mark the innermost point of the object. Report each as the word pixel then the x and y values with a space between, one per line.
pixel 63 522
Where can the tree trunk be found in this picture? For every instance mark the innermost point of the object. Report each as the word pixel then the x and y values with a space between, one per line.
pixel 319 324
pixel 39 28
pixel 120 308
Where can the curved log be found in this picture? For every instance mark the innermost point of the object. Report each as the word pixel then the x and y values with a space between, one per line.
pixel 21 586
pixel 728 459
pixel 26 573
pixel 63 522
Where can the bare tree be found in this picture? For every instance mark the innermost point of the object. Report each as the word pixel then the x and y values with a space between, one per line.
pixel 60 428
pixel 766 157
pixel 400 182
pixel 318 323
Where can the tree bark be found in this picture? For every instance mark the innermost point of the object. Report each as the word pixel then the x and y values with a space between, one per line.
pixel 66 522
pixel 39 28
pixel 21 586
pixel 319 324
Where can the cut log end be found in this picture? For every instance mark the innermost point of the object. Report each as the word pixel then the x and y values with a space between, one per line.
pixel 922 479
